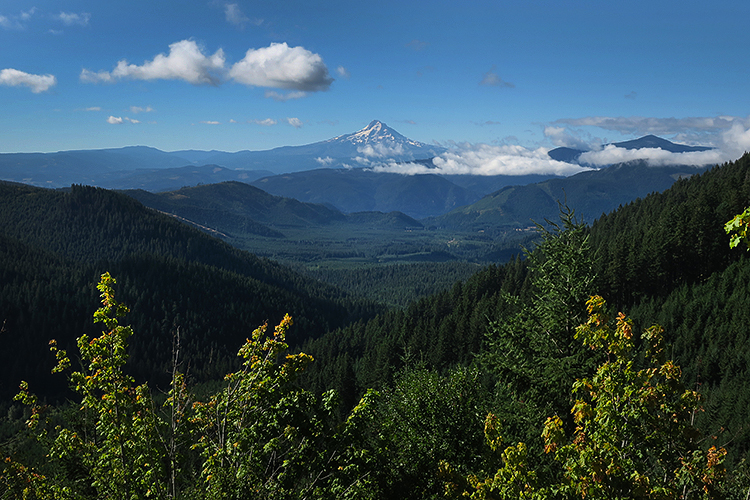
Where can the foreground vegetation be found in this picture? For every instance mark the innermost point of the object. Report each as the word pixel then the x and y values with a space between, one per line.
pixel 520 382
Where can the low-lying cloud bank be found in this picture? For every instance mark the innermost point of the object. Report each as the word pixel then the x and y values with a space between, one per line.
pixel 485 159
pixel 728 145
pixel 730 140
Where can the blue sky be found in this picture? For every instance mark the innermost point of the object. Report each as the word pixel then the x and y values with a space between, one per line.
pixel 503 78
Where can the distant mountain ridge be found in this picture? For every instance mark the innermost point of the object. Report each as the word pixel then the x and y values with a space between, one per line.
pixel 570 155
pixel 135 166
pixel 590 194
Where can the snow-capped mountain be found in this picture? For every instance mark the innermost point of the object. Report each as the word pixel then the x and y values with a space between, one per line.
pixel 377 132
pixel 377 143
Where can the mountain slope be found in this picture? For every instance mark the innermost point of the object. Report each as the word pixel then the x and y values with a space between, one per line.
pixel 54 245
pixel 231 205
pixel 590 193
pixel 359 190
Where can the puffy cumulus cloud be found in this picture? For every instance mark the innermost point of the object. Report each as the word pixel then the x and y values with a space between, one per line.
pixel 294 122
pixel 139 109
pixel 282 67
pixel 278 66
pixel 485 159
pixel 37 83
pixel 72 19
pixel 185 61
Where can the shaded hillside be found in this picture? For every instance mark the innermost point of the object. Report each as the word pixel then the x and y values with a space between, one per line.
pixel 236 207
pixel 590 193
pixel 55 244
pixel 359 190
pixel 240 209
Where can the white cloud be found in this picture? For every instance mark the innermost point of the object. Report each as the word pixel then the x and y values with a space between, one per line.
pixel 641 125
pixel 186 61
pixel 327 161
pixel 71 18
pixel 294 122
pixel 139 109
pixel 485 159
pixel 94 108
pixel 17 22
pixel 277 66
pixel 211 122
pixel 728 135
pixel 654 156
pixel 343 72
pixel 234 15
pixel 381 150
pixel 277 96
pixel 282 67
pixel 119 120
pixel 562 138
pixel 266 123
pixel 27 15
pixel 37 83
pixel 88 76
pixel 491 79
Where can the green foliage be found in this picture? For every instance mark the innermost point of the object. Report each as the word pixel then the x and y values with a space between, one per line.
pixel 634 435
pixel 737 229
pixel 530 347
pixel 426 418
pixel 259 437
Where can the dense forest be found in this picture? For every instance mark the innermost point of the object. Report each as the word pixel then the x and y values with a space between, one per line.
pixel 519 382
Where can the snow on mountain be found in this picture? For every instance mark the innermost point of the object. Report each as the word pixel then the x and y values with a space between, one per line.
pixel 376 132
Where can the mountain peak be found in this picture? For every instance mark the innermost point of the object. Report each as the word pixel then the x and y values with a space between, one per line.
pixel 570 155
pixel 374 133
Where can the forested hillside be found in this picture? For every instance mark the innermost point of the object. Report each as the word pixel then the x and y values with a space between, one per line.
pixel 665 258
pixel 55 244
pixel 520 382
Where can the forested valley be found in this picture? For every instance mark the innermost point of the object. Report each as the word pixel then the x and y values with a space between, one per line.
pixel 522 381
